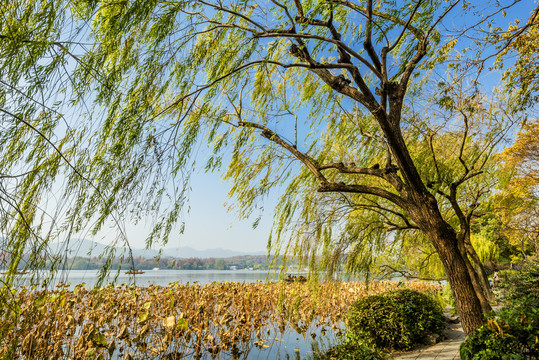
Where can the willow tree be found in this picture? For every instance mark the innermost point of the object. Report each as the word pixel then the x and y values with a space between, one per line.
pixel 56 178
pixel 321 89
pixel 281 70
pixel 459 167
pixel 32 151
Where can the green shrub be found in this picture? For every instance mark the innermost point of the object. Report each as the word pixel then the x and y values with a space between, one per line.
pixel 518 286
pixel 397 319
pixel 351 351
pixel 514 332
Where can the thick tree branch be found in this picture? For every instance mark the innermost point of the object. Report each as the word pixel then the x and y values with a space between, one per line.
pixel 299 7
pixel 421 51
pixel 388 173
pixel 314 168
pixel 407 275
pixel 463 143
pixel 353 169
pixel 367 43
pixel 344 56
pixel 271 135
pixel 285 33
pixel 337 83
pixel 363 189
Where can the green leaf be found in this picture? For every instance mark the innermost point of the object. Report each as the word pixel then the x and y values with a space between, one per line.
pixel 182 325
pixel 143 317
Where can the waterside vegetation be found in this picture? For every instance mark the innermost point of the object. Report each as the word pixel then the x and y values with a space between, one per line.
pixel 373 121
pixel 177 321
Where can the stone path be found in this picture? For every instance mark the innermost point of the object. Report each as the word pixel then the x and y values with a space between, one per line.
pixel 445 350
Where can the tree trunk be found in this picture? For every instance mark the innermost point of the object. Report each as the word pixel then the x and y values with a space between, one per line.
pixel 423 208
pixel 426 214
pixel 480 289
pixel 468 304
pixel 480 269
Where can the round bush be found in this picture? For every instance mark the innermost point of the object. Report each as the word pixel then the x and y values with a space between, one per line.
pixel 397 319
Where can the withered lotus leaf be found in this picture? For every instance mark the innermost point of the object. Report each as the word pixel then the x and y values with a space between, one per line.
pixel 215 320
pixel 170 322
pixel 124 332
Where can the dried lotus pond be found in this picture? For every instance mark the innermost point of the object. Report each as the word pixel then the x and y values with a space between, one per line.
pixel 218 320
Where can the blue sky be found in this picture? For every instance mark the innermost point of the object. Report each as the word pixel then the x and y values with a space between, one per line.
pixel 208 224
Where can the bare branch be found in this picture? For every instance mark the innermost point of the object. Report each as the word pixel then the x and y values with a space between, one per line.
pixel 367 44
pixel 405 26
pixel 271 135
pixel 246 18
pixel 417 33
pixel 407 274
pixel 421 50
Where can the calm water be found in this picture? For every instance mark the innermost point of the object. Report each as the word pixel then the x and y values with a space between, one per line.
pixel 150 277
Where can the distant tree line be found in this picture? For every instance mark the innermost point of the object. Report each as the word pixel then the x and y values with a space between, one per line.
pixel 254 262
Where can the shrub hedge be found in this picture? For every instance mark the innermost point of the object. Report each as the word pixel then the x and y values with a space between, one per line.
pixel 398 319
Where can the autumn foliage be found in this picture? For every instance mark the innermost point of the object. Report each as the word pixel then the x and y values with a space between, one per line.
pixel 176 321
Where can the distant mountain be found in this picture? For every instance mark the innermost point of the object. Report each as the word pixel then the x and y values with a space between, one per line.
pixel 88 248
pixel 78 247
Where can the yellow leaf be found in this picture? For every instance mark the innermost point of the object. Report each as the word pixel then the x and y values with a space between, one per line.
pixel 142 317
pixel 99 339
pixel 169 322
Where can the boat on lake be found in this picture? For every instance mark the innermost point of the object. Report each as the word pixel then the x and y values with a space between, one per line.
pixel 134 272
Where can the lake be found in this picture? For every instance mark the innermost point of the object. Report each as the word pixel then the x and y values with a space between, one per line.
pixel 290 346
pixel 150 277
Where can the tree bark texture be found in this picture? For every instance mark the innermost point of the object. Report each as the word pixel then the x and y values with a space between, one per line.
pixel 479 268
pixel 427 215
pixel 480 290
